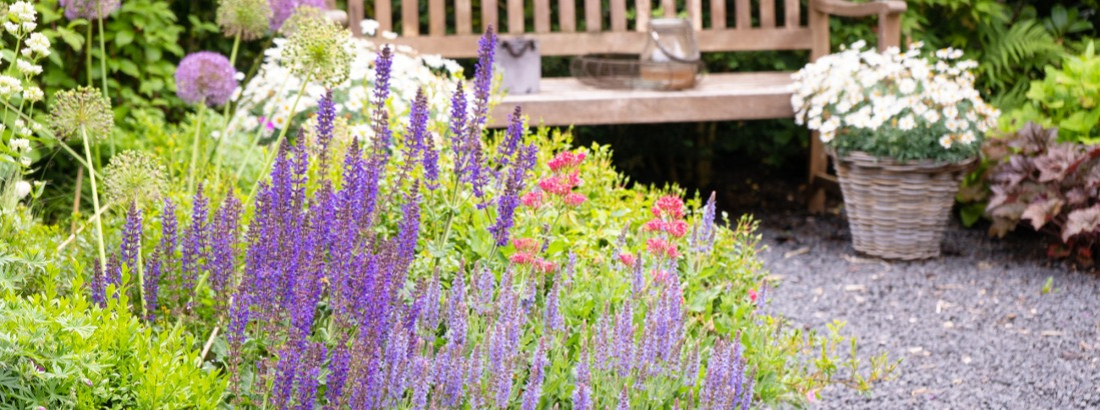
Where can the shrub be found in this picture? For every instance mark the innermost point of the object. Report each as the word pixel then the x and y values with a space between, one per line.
pixel 1065 99
pixel 62 352
pixel 1050 184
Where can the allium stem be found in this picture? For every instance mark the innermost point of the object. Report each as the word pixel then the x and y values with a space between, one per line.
pixel 195 149
pixel 95 202
pixel 213 158
pixel 88 54
pixel 103 57
pixel 278 141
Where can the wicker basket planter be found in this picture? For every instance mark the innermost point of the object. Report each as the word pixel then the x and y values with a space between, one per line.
pixel 898 210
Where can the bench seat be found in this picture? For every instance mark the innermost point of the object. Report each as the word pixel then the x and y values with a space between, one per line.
pixel 718 97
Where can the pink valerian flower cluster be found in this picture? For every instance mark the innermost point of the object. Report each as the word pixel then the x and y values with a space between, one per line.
pixel 563 178
pixel 667 223
pixel 527 250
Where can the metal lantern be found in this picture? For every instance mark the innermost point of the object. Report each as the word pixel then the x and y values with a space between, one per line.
pixel 670 59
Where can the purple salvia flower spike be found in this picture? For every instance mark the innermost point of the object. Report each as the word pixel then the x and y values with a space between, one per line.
pixel 582 389
pixel 339 362
pixel 223 249
pixel 624 399
pixel 153 268
pixel 532 393
pixel 98 284
pixel 326 118
pixel 131 238
pixel 637 279
pixel 554 319
pixel 485 289
pixel 195 244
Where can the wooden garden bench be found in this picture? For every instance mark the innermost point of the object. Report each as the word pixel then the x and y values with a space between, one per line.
pixel 772 25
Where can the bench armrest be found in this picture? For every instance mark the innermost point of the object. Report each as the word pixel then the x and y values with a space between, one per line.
pixel 846 8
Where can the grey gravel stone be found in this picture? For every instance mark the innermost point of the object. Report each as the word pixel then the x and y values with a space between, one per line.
pixel 972 327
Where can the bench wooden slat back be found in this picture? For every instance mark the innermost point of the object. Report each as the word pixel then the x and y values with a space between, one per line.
pixel 759 25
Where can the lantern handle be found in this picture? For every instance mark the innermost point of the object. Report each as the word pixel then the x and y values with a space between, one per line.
pixel 657 40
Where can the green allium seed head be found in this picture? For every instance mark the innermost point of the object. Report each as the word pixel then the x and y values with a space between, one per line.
pixel 81 107
pixel 319 50
pixel 248 18
pixel 134 176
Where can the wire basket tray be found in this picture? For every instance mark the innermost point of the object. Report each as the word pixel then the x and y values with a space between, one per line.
pixel 627 71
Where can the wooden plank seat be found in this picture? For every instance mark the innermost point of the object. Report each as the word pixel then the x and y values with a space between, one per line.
pixel 733 25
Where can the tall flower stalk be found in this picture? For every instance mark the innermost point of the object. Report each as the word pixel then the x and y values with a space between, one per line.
pixel 203 78
pixel 81 111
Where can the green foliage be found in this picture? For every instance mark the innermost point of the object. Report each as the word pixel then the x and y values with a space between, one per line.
pixel 63 352
pixel 1066 98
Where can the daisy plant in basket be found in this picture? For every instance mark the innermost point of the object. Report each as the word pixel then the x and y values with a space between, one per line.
pixel 903 106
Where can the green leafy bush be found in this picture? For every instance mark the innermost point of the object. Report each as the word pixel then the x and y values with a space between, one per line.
pixel 62 352
pixel 1067 98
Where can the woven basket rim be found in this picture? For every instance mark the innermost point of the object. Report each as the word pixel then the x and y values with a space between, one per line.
pixel 865 160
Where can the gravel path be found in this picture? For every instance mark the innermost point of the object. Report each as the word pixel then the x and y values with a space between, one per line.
pixel 972 327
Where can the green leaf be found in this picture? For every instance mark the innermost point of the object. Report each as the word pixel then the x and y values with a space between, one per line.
pixel 124 38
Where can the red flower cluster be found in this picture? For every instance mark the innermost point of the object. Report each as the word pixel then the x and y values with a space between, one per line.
pixel 668 216
pixel 527 250
pixel 561 182
pixel 660 247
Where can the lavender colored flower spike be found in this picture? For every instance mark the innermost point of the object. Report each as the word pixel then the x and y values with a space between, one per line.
pixel 339 363
pixel 691 374
pixel 422 374
pixel 224 243
pixel 582 389
pixel 483 78
pixel 131 238
pixel 570 269
pixel 485 282
pixel 98 286
pixel 638 279
pixel 239 316
pixel 624 339
pixel 195 242
pixel 703 234
pixel 168 232
pixel 326 117
pixel 205 77
pixel 458 311
pixel 554 319
pixel 512 138
pixel 458 127
pixel 310 369
pixel 283 9
pixel 153 268
pixel 89 9
pixel 624 399
pixel 533 392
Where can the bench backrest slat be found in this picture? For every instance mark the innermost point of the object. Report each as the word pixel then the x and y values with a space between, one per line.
pixel 753 25
pixel 717 15
pixel 567 19
pixel 410 17
pixel 592 16
pixel 542 16
pixel 743 15
pixel 794 13
pixel 464 17
pixel 642 10
pixel 767 13
pixel 618 15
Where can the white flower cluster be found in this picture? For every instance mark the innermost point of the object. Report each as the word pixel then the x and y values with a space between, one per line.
pixel 17 86
pixel 267 99
pixel 857 89
pixel 21 18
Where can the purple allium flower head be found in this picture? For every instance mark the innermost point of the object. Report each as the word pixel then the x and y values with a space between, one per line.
pixel 196 239
pixel 533 391
pixel 89 9
pixel 205 77
pixel 326 118
pixel 131 238
pixel 283 9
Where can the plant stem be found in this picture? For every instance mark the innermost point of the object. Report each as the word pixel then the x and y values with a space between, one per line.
pixel 195 149
pixel 213 157
pixel 72 237
pixel 258 134
pixel 95 203
pixel 141 283
pixel 88 53
pixel 103 69
pixel 278 141
pixel 46 132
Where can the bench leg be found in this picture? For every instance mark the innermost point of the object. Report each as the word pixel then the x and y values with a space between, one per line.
pixel 818 168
